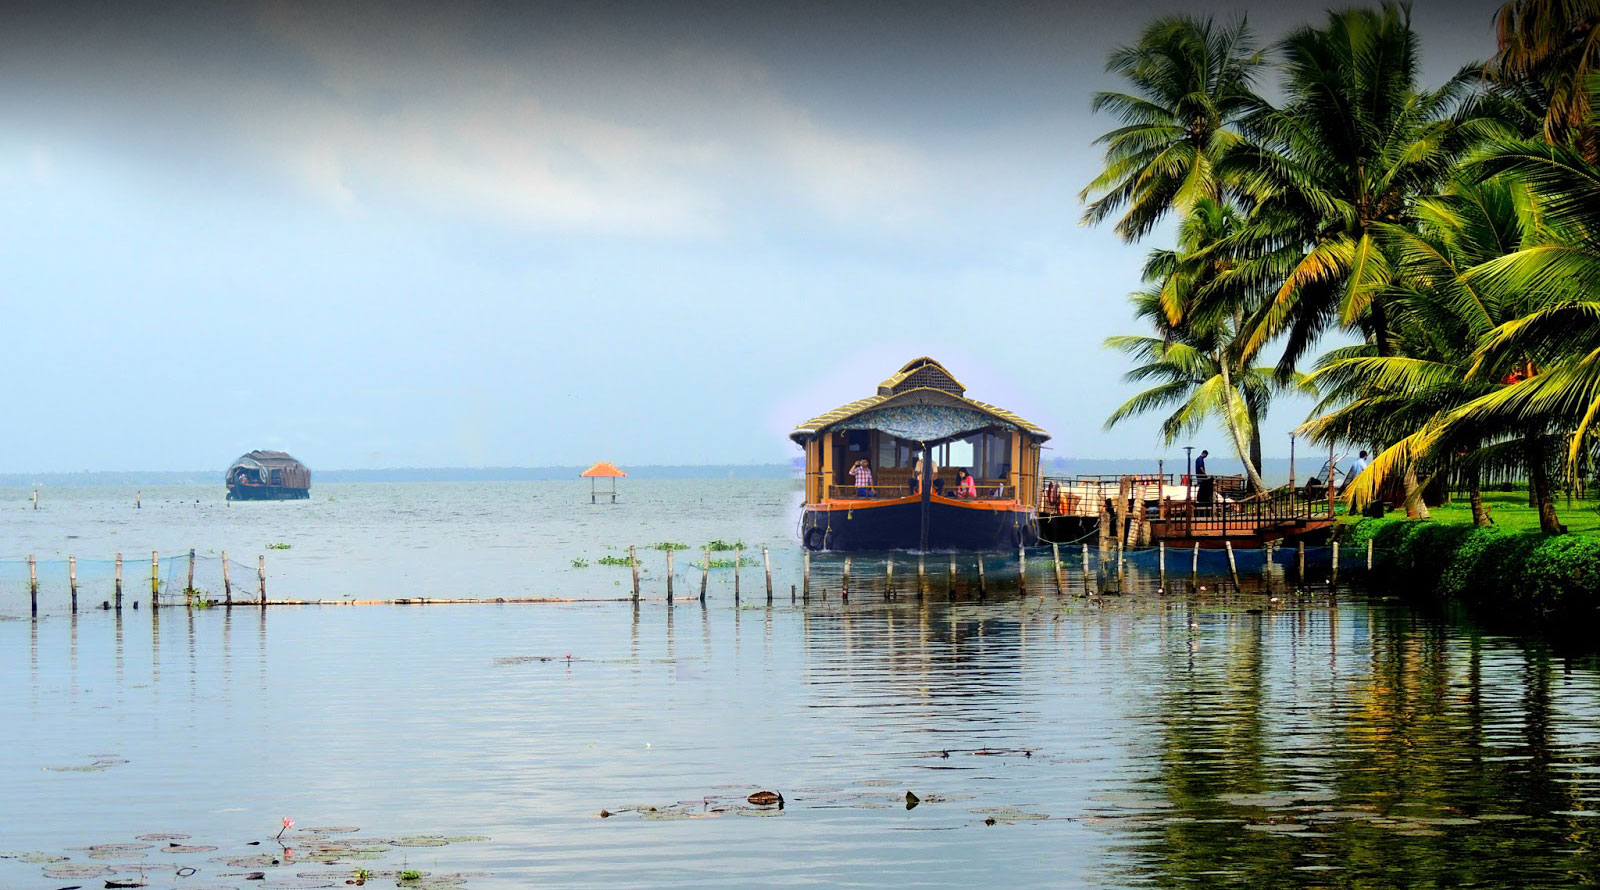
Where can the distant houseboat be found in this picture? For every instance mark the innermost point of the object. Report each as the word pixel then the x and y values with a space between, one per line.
pixel 919 413
pixel 268 476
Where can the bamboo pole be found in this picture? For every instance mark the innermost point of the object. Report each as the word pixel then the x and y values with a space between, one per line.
pixel 888 576
pixel 1369 554
pixel 844 585
pixel 922 575
pixel 227 581
pixel 118 592
pixel 72 579
pixel 766 564
pixel 738 557
pixel 33 585
pixel 1194 561
pixel 1022 568
pixel 1161 558
pixel 36 498
pixel 1233 568
pixel 155 578
pixel 982 587
pixel 261 579
pixel 806 575
pixel 705 573
pixel 138 500
pixel 669 574
pixel 1302 563
pixel 1119 559
pixel 1055 556
pixel 950 588
pixel 1335 576
pixel 1086 563
pixel 633 563
pixel 188 587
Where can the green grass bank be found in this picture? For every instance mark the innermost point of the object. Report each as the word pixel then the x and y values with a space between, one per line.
pixel 1510 569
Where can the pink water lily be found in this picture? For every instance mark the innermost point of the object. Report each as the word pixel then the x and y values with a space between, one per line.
pixel 287 824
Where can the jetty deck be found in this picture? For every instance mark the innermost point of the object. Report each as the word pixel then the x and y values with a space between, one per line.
pixel 1141 510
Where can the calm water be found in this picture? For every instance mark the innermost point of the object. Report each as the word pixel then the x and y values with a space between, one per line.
pixel 1177 738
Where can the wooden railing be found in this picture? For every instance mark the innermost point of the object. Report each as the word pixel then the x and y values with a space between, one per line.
pixel 987 491
pixel 1221 517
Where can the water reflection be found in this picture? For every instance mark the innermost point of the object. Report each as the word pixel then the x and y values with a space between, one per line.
pixel 1200 735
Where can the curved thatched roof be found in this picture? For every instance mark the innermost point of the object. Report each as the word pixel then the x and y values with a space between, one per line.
pixel 921 381
pixel 267 459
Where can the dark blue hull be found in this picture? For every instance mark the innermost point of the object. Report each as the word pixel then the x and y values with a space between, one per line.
pixel 897 525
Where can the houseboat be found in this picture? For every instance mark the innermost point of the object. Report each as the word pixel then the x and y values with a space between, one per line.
pixel 268 476
pixel 865 464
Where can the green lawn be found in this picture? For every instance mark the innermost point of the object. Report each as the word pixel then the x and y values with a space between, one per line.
pixel 1510 510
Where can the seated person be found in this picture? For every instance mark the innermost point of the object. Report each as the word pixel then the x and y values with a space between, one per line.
pixel 966 486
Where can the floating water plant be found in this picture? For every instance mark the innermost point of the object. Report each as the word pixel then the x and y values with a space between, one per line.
pixel 721 545
pixel 668 545
pixel 280 546
pixel 609 560
pixel 580 563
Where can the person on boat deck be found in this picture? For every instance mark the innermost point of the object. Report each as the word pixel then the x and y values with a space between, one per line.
pixel 1205 488
pixel 916 477
pixel 966 486
pixel 863 476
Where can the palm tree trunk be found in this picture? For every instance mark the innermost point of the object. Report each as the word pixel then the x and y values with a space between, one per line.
pixel 1480 517
pixel 1539 486
pixel 1255 438
pixel 1415 508
pixel 1240 446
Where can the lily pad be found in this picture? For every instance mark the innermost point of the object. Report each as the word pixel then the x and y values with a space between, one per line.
pixel 77 870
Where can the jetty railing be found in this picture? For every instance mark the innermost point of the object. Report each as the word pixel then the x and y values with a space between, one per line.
pixel 986 491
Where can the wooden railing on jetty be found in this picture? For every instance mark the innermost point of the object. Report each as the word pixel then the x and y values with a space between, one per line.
pixel 1139 510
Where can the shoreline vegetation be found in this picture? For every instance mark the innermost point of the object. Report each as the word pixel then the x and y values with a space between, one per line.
pixel 1507 571
pixel 1314 185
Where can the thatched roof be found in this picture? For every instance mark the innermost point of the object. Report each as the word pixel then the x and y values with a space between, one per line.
pixel 921 381
pixel 602 470
pixel 267 459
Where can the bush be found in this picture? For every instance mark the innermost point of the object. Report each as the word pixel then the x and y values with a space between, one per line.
pixel 1526 575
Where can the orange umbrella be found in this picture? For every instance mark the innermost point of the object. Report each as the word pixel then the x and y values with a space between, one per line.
pixel 602 470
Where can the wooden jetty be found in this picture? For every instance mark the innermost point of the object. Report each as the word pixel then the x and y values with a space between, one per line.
pixel 1135 511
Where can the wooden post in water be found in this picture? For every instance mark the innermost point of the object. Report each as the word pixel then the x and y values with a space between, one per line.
pixel 36 497
pixel 1302 553
pixel 766 564
pixel 844 585
pixel 227 581
pixel 1333 578
pixel 1369 554
pixel 738 557
pixel 1022 568
pixel 138 500
pixel 1233 568
pixel 33 585
pixel 805 573
pixel 188 587
pixel 669 574
pixel 922 575
pixel 888 577
pixel 982 587
pixel 117 595
pixel 155 579
pixel 951 587
pixel 261 579
pixel 705 573
pixel 1119 559
pixel 72 579
pixel 1055 556
pixel 1161 560
pixel 633 563
pixel 1194 562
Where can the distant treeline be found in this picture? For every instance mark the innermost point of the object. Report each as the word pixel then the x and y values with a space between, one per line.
pixel 1276 471
pixel 400 474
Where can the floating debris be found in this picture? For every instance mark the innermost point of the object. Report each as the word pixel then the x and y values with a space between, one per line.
pixel 912 800
pixel 162 837
pixel 98 765
pixel 766 798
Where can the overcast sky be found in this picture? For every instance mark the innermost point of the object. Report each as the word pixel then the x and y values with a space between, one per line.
pixel 394 235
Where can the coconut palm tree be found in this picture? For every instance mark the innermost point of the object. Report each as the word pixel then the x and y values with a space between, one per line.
pixel 1549 56
pixel 1439 316
pixel 1357 142
pixel 1190 83
pixel 1195 358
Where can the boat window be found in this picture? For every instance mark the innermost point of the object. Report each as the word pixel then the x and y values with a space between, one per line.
pixel 996 455
pixel 961 453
